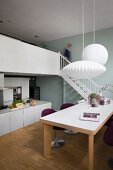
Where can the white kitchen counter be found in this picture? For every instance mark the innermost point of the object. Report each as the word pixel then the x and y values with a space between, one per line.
pixel 38 103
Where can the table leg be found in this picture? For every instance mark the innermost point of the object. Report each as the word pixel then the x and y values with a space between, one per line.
pixel 90 150
pixel 47 140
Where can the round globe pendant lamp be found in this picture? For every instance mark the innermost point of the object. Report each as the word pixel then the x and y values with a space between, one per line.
pixel 95 52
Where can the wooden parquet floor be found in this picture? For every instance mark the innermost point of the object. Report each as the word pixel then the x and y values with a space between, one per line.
pixel 23 150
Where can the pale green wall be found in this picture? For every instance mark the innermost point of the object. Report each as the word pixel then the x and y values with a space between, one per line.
pixel 104 37
pixel 51 89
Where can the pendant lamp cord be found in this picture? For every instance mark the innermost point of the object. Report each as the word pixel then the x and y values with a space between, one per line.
pixel 94 21
pixel 83 25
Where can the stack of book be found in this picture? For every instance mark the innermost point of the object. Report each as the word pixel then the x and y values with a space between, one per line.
pixel 90 116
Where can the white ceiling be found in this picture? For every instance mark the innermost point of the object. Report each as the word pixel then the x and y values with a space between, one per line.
pixel 52 19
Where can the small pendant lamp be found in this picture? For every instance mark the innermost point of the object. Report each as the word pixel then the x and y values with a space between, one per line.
pixel 95 52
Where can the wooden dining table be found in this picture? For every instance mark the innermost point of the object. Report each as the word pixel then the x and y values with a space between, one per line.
pixel 70 119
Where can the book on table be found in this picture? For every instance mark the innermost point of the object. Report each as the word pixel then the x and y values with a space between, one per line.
pixel 90 116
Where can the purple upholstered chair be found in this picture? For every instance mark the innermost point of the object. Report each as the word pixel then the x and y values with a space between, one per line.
pixel 56 143
pixel 47 111
pixel 108 135
pixel 109 121
pixel 65 106
pixel 108 139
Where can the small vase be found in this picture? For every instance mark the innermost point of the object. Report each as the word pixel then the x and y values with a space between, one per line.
pixel 93 102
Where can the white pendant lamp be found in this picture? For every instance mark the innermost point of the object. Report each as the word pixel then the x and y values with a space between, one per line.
pixel 95 52
pixel 84 69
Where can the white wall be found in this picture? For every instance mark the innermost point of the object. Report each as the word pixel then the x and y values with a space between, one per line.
pixel 22 82
pixel 19 57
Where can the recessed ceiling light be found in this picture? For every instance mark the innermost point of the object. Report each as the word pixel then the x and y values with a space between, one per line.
pixel 36 36
pixel 1 21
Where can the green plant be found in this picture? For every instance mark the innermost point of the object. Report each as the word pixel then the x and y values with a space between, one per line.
pixel 93 95
pixel 17 101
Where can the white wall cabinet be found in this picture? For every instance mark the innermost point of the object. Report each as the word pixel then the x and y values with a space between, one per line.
pixel 16 119
pixel 33 113
pixel 19 118
pixel 29 116
pixel 38 110
pixel 4 123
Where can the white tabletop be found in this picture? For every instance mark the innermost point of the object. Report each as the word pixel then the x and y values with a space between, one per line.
pixel 71 117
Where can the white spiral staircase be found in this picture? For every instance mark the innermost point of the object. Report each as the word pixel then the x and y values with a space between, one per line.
pixel 83 86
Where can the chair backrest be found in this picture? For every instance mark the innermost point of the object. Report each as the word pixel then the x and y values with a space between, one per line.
pixel 47 111
pixel 109 121
pixel 108 135
pixel 66 105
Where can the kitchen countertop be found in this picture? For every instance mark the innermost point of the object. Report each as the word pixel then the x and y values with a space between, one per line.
pixel 39 102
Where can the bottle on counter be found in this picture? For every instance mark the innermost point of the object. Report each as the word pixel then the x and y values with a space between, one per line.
pixel 102 100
